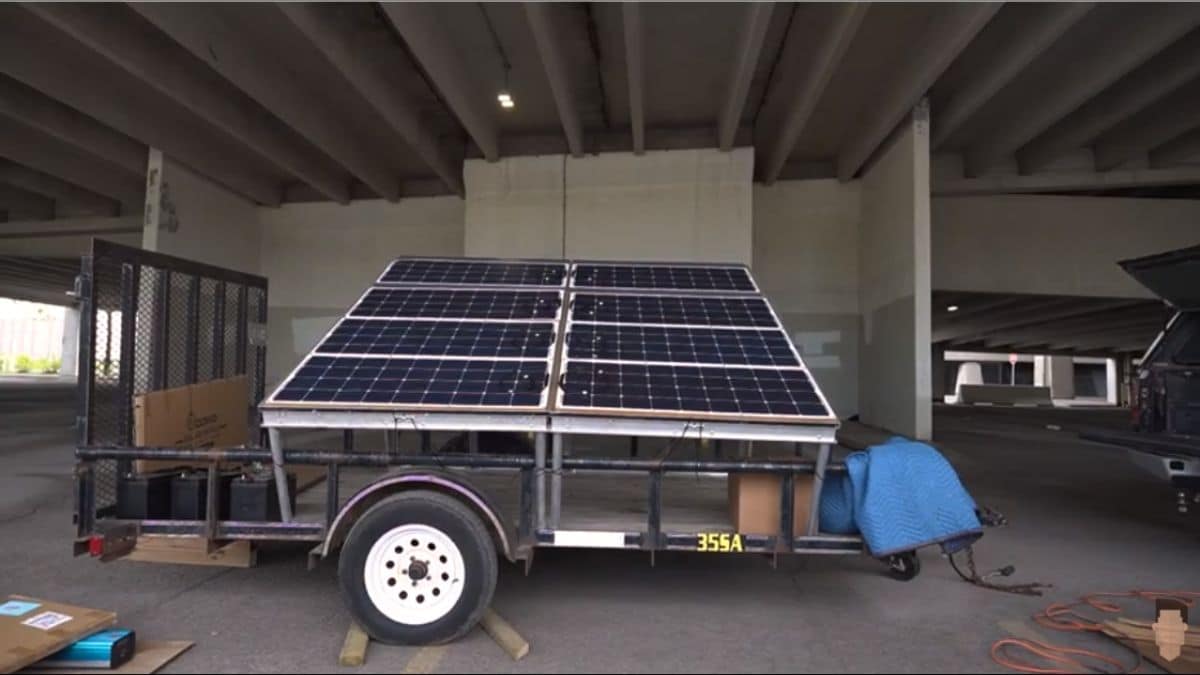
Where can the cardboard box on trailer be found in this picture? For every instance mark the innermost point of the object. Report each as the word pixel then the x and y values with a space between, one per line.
pixel 754 503
pixel 207 415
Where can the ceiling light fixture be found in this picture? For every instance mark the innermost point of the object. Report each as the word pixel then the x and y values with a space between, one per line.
pixel 505 98
pixel 952 308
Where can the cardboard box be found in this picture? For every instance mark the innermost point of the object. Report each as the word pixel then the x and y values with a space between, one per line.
pixel 32 629
pixel 207 415
pixel 754 503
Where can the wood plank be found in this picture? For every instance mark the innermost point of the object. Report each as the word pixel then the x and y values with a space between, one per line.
pixel 150 657
pixel 504 634
pixel 354 649
pixel 192 551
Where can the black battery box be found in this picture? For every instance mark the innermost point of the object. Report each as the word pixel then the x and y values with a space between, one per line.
pixel 189 495
pixel 145 497
pixel 253 497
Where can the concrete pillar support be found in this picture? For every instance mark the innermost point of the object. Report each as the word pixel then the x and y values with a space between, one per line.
pixel 70 343
pixel 895 378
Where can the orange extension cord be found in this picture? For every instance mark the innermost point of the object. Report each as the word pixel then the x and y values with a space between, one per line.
pixel 1063 617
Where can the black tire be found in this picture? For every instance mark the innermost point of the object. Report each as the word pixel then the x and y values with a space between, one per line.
pixel 904 566
pixel 456 521
pixel 490 443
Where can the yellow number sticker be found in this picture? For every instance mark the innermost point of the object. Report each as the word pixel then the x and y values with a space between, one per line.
pixel 719 542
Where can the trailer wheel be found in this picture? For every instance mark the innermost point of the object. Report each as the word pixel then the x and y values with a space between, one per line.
pixel 418 568
pixel 904 566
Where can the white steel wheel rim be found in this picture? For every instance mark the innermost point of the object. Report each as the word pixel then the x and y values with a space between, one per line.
pixel 411 551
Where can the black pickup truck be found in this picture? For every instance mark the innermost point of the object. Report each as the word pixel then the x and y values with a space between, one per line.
pixel 1165 436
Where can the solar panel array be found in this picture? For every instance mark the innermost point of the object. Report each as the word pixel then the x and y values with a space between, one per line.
pixel 642 340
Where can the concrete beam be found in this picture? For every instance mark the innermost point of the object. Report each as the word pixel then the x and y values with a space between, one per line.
pixel 957 328
pixel 1005 64
pixel 1050 331
pixel 631 21
pixel 21 102
pixel 152 57
pixel 433 46
pixel 1146 32
pixel 32 148
pixel 803 98
pixel 212 36
pixel 35 206
pixel 747 49
pixel 554 60
pixel 1169 70
pixel 71 73
pixel 368 62
pixel 57 189
pixel 1142 333
pixel 410 187
pixel 1067 181
pixel 1046 316
pixel 617 140
pixel 953 28
pixel 1178 150
pixel 1170 118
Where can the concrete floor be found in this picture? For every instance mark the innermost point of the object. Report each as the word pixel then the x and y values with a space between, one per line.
pixel 1080 519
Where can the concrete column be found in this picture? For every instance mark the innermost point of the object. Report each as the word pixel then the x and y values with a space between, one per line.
pixel 895 386
pixel 189 216
pixel 1039 371
pixel 70 343
pixel 1111 382
pixel 1061 376
pixel 937 372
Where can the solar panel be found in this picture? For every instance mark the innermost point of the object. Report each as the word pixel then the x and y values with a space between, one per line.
pixel 375 381
pixel 672 310
pixel 408 337
pixel 473 273
pixel 663 277
pixel 680 345
pixel 652 341
pixel 690 389
pixel 429 303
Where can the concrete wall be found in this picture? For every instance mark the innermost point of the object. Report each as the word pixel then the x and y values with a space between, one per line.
pixel 894 369
pixel 679 205
pixel 806 238
pixel 1051 244
pixel 189 216
pixel 514 207
pixel 320 257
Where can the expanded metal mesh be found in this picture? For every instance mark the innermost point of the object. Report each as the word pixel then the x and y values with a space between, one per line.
pixel 159 322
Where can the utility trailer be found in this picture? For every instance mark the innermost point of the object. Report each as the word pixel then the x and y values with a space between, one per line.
pixel 586 405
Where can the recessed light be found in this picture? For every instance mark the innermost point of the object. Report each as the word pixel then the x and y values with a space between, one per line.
pixel 952 308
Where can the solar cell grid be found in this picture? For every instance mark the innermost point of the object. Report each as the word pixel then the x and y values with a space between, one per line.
pixel 672 309
pixel 696 389
pixel 680 345
pixel 663 277
pixel 426 303
pixel 474 273
pixel 426 382
pixel 402 337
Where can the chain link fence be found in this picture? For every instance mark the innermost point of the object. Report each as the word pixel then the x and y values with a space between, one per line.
pixel 151 321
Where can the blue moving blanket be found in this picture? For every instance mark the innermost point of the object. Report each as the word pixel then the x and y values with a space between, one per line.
pixel 901 495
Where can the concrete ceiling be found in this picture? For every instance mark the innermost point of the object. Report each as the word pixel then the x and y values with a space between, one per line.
pixel 348 101
pixel 1045 324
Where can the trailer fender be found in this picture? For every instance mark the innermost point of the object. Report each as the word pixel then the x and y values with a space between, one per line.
pixel 418 479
